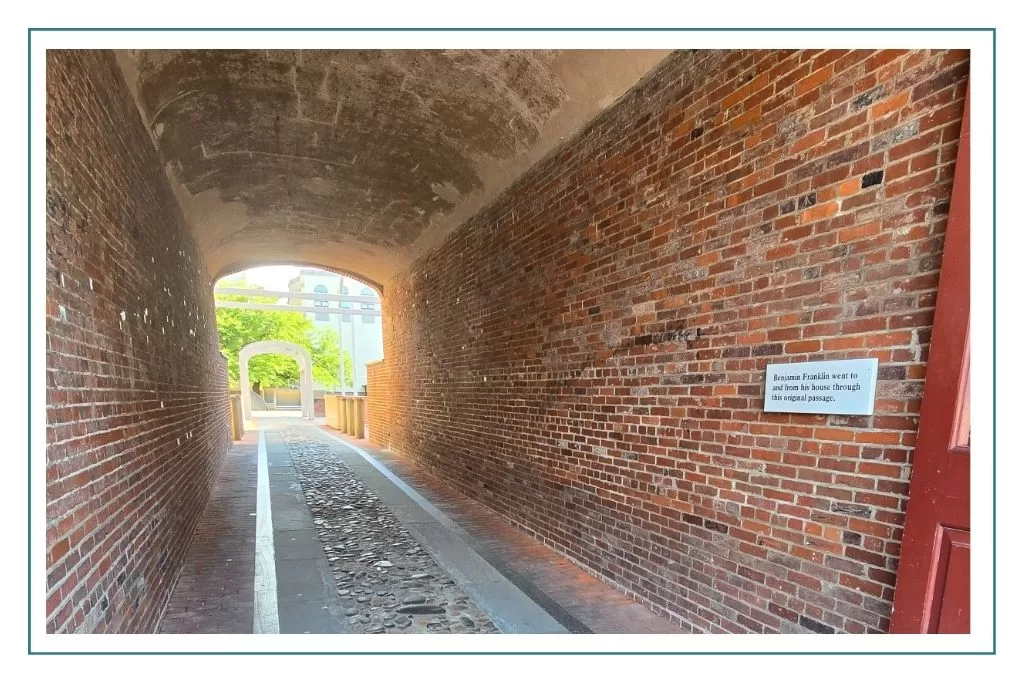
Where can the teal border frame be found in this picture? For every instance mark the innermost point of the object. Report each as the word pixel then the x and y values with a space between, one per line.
pixel 991 30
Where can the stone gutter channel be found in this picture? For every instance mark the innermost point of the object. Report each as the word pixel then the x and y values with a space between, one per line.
pixel 357 551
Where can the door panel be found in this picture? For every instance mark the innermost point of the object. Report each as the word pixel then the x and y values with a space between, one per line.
pixel 951 609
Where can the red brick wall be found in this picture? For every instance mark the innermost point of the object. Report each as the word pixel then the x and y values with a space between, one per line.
pixel 377 418
pixel 586 355
pixel 137 408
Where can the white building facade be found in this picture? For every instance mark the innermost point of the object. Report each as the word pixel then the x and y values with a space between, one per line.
pixel 361 335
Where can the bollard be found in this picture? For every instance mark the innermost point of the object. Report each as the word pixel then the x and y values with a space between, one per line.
pixel 357 418
pixel 235 410
pixel 339 414
pixel 350 415
pixel 331 410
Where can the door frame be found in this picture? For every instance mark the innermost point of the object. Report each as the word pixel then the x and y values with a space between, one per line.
pixel 918 582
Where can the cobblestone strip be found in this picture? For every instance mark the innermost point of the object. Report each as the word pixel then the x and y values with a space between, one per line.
pixel 386 581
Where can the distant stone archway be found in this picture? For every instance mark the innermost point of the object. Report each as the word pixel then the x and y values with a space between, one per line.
pixel 289 349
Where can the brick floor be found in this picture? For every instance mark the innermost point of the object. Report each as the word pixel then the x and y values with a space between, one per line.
pixel 214 592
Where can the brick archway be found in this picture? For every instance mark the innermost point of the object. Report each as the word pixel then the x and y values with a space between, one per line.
pixel 289 349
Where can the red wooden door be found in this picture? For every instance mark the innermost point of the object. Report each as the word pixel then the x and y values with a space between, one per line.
pixel 933 579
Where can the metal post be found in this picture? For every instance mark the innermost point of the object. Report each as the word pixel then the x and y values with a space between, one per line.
pixel 355 361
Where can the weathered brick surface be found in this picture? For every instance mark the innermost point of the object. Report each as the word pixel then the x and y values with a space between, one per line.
pixel 137 411
pixel 586 355
pixel 378 420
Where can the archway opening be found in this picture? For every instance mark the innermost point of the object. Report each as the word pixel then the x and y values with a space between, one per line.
pixel 336 316
pixel 276 370
pixel 274 385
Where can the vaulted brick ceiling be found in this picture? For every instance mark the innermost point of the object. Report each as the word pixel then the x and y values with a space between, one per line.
pixel 357 159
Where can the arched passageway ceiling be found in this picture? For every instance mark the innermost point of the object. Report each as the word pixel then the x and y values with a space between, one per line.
pixel 358 158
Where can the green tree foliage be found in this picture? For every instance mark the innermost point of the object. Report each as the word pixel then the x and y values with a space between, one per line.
pixel 238 327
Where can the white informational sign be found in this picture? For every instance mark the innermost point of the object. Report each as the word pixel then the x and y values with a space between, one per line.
pixel 830 387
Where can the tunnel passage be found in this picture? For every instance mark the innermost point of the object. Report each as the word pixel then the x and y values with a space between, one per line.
pixel 581 347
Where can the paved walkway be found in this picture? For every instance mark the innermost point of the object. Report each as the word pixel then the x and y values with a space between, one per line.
pixel 311 531
pixel 214 592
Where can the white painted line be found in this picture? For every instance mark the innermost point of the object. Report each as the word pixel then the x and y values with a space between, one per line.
pixel 264 618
